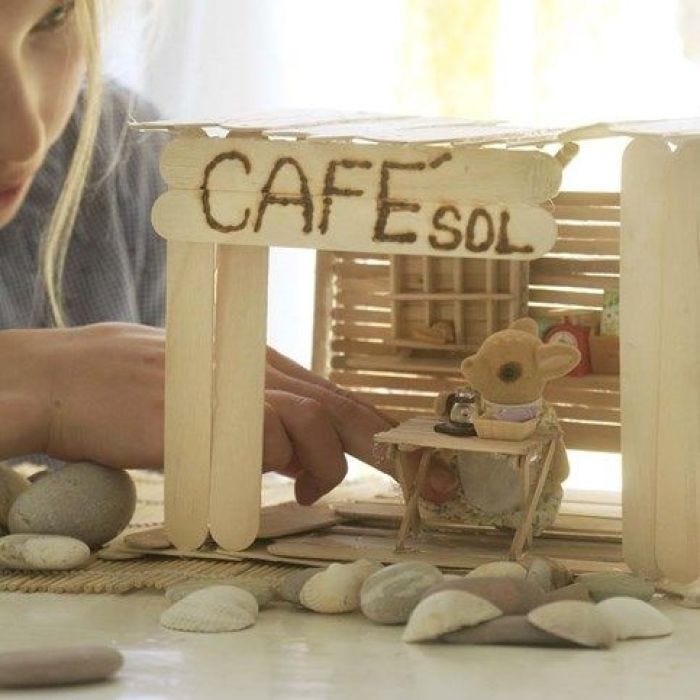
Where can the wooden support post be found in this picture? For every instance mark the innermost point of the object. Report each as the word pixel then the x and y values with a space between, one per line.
pixel 239 386
pixel 525 528
pixel 411 516
pixel 188 391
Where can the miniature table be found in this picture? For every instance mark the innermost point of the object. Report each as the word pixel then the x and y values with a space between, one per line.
pixel 419 434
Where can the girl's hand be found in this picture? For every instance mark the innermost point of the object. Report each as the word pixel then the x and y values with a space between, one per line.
pixel 96 392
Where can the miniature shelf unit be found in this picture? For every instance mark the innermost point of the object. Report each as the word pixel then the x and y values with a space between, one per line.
pixel 379 304
pixel 368 188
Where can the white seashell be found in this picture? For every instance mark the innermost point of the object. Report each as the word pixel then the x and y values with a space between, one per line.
pixel 632 618
pixel 447 611
pixel 496 569
pixel 12 483
pixel 261 590
pixel 42 552
pixel 337 588
pixel 389 595
pixel 213 609
pixel 578 621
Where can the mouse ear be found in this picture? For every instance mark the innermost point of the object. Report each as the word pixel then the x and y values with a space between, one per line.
pixel 466 367
pixel 556 359
pixel 527 325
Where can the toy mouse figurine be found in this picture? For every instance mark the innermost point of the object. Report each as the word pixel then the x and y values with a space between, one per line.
pixel 509 372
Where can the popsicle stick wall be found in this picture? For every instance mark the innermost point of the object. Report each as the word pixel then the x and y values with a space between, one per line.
pixel 382 308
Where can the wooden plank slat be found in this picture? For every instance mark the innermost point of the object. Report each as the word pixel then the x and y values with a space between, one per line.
pixel 571 265
pixel 645 221
pixel 586 213
pixel 180 215
pixel 595 246
pixel 489 175
pixel 188 382
pixel 583 281
pixel 608 232
pixel 569 298
pixel 604 199
pixel 583 436
pixel 239 384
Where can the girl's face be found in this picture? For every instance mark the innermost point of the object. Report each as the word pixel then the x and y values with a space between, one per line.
pixel 41 69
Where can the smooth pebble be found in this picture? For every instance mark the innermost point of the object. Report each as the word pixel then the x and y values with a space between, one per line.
pixel 262 591
pixel 548 573
pixel 389 595
pixel 511 596
pixel 613 584
pixel 337 588
pixel 632 618
pixel 42 552
pixel 509 629
pixel 212 609
pixel 62 666
pixel 575 620
pixel 290 587
pixel 12 484
pixel 447 611
pixel 497 569
pixel 575 591
pixel 83 500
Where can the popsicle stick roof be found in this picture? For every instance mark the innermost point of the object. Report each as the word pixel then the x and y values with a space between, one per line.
pixel 383 128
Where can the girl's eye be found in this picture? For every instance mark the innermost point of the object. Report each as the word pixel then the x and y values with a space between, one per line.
pixel 56 17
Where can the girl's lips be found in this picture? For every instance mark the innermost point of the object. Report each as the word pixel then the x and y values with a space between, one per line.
pixel 10 194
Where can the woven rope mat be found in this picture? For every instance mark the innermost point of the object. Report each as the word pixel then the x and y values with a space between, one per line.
pixel 117 576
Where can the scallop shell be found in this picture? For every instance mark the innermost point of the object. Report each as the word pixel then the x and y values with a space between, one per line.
pixel 447 611
pixel 213 609
pixel 575 620
pixel 337 588
pixel 388 596
pixel 632 618
pixel 261 590
pixel 498 569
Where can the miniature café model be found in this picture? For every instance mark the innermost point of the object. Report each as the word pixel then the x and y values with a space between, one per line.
pixel 433 235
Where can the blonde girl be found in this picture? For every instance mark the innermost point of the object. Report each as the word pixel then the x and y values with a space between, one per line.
pixel 82 275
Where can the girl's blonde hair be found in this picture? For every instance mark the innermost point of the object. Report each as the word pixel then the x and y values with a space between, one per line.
pixel 63 218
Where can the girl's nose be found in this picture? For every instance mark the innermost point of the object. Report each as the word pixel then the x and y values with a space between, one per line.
pixel 21 125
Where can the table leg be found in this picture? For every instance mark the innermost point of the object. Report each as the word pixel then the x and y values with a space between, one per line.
pixel 411 517
pixel 524 531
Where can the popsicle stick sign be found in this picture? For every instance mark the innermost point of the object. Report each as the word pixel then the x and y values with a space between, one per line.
pixel 230 199
pixel 419 200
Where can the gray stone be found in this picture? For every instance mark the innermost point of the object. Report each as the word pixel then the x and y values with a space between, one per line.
pixel 576 591
pixel 42 552
pixel 615 584
pixel 512 596
pixel 509 629
pixel 83 500
pixel 49 667
pixel 12 484
pixel 390 595
pixel 290 586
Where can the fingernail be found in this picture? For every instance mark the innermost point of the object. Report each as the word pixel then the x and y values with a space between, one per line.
pixel 443 481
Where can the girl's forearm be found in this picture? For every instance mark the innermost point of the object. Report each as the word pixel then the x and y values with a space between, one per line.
pixel 25 378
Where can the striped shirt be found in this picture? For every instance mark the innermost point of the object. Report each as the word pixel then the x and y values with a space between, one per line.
pixel 115 265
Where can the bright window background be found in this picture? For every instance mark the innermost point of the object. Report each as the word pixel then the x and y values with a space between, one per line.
pixel 530 61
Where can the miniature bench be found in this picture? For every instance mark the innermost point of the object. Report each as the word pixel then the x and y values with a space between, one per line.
pixel 417 434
